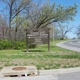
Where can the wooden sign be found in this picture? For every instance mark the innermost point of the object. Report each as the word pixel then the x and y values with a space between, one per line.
pixel 37 38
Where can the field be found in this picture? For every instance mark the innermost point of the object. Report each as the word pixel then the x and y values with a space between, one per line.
pixel 40 57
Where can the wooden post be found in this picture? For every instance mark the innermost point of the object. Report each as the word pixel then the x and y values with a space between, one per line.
pixel 26 41
pixel 48 40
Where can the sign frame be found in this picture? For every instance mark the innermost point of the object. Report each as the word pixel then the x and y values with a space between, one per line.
pixel 32 34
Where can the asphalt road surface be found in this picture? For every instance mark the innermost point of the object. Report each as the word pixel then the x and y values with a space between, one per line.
pixel 75 43
pixel 69 76
pixel 71 45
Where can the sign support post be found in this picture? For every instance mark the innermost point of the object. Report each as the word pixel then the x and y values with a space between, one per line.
pixel 26 41
pixel 38 38
pixel 48 40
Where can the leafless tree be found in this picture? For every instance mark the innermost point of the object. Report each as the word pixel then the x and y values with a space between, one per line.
pixel 3 27
pixel 78 32
pixel 15 7
pixel 64 29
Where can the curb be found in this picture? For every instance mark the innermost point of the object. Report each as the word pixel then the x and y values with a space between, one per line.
pixel 56 71
pixel 59 71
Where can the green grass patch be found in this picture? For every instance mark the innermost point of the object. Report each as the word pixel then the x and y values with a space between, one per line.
pixel 40 57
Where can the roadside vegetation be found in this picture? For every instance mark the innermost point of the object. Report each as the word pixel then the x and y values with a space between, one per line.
pixel 20 17
pixel 40 57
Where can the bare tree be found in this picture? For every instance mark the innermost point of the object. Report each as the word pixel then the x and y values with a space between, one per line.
pixel 15 7
pixel 78 31
pixel 64 29
pixel 3 27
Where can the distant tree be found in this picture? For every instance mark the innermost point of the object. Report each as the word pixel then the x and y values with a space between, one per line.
pixel 54 31
pixel 78 32
pixel 64 29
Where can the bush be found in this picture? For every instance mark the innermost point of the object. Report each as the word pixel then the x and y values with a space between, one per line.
pixel 5 44
pixel 19 45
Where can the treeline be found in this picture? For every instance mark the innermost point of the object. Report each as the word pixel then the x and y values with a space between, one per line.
pixel 17 15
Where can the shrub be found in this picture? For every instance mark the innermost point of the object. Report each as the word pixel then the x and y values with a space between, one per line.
pixel 19 45
pixel 5 44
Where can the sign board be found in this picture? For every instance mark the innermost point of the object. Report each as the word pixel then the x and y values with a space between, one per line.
pixel 37 38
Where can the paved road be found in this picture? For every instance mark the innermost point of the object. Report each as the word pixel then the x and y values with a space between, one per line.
pixel 71 45
pixel 69 76
pixel 75 43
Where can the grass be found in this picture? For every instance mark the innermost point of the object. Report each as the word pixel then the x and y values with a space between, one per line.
pixel 56 58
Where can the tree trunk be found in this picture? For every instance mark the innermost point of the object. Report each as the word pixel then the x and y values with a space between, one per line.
pixel 15 36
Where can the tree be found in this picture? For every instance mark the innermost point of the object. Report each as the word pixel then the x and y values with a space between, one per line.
pixel 54 31
pixel 3 27
pixel 35 15
pixel 19 24
pixel 78 32
pixel 64 29
pixel 41 16
pixel 15 7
